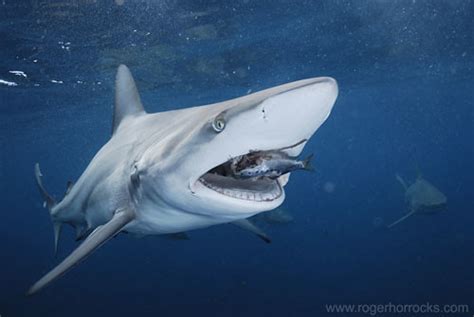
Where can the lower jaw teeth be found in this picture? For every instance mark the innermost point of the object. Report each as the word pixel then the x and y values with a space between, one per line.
pixel 245 195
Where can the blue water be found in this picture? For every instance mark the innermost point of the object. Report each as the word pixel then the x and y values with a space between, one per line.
pixel 405 74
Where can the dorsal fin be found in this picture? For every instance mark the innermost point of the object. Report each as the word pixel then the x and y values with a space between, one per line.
pixel 401 181
pixel 127 99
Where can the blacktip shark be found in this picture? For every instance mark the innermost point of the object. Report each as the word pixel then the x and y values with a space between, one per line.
pixel 153 176
pixel 422 197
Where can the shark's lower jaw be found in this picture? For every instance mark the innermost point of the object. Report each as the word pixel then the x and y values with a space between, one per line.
pixel 260 190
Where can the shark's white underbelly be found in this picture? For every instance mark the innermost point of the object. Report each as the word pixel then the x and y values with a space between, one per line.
pixel 170 220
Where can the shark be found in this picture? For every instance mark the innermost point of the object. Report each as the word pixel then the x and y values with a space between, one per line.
pixel 155 174
pixel 421 197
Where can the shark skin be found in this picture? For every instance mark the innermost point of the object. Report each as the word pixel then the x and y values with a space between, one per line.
pixel 152 177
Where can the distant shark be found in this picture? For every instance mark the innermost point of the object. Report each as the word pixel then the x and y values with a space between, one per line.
pixel 422 197
pixel 152 177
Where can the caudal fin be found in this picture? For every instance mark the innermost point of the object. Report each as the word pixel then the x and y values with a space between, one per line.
pixel 49 202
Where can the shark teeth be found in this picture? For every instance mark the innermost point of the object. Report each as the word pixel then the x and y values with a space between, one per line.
pixel 268 192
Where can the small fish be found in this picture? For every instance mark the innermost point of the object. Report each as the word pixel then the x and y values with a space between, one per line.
pixel 271 164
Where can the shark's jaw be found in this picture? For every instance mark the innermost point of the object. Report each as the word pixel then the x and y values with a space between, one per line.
pixel 233 197
pixel 263 189
pixel 251 189
pixel 222 179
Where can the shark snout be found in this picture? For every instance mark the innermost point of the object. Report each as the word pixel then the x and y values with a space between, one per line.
pixel 299 112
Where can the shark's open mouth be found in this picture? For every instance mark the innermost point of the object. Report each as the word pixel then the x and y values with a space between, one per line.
pixel 221 180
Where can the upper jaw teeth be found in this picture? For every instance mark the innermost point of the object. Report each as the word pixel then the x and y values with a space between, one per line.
pixel 245 194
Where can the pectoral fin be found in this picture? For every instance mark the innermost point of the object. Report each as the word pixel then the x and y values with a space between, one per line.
pixel 249 226
pixel 98 237
pixel 401 219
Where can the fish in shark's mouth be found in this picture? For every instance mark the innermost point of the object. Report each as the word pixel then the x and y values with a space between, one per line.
pixel 255 175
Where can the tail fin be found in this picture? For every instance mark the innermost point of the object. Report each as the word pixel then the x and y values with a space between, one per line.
pixel 307 163
pixel 50 203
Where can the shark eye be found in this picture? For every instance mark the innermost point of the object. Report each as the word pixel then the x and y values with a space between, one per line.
pixel 218 124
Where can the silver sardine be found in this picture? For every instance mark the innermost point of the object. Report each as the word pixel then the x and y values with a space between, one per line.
pixel 271 164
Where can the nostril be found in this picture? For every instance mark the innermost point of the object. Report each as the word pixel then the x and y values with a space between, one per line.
pixel 264 113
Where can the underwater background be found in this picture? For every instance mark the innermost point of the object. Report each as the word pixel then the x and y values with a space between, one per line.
pixel 405 74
